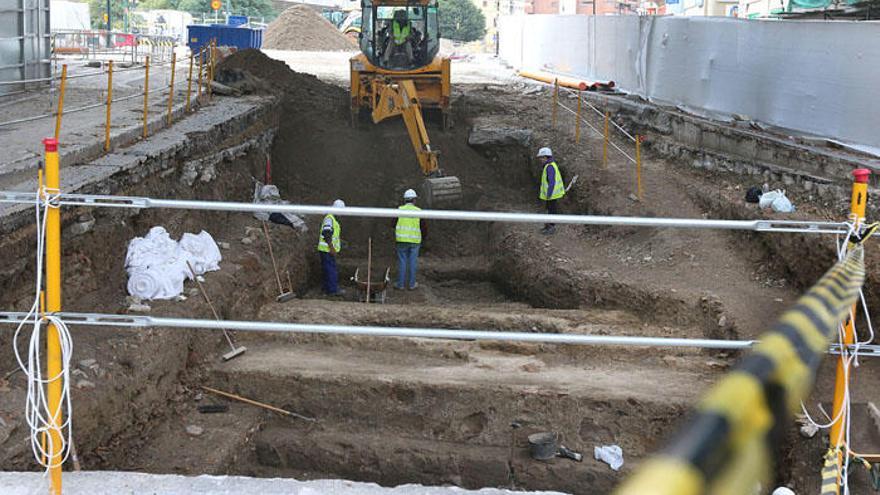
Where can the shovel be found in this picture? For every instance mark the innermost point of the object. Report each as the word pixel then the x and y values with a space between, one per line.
pixel 235 351
pixel 570 184
pixel 282 295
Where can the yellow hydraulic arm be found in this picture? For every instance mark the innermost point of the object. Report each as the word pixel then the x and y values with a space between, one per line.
pixel 401 98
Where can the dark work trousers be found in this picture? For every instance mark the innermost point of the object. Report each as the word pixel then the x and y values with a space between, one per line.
pixel 328 273
pixel 552 209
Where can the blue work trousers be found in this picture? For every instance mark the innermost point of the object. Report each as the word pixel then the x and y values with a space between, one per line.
pixel 407 261
pixel 329 277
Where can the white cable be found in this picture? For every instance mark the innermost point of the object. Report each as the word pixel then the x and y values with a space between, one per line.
pixel 38 414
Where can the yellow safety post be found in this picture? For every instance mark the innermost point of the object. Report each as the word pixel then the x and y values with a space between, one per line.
pixel 639 166
pixel 555 100
pixel 60 101
pixel 189 83
pixel 605 140
pixel 171 87
pixel 211 56
pixel 53 304
pixel 577 121
pixel 199 90
pixel 109 104
pixel 837 434
pixel 146 92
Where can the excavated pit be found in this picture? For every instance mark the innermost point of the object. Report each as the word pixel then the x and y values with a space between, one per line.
pixel 393 410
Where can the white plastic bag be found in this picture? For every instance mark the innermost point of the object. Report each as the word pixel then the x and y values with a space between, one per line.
pixel 769 197
pixel 782 204
pixel 611 454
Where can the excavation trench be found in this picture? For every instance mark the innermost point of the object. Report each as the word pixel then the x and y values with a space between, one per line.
pixel 388 410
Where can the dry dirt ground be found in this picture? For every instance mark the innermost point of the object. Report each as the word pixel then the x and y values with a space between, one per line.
pixel 444 411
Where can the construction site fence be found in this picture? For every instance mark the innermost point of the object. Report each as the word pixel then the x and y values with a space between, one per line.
pixel 196 71
pixel 598 122
pixel 728 446
pixel 102 44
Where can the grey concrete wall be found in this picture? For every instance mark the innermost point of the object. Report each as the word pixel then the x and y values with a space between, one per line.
pixel 813 77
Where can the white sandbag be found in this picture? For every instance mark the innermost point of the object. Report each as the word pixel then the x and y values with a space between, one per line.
pixel 157 264
pixel 610 454
pixel 201 251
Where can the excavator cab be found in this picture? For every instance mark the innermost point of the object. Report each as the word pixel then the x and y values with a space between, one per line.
pixel 400 37
pixel 398 73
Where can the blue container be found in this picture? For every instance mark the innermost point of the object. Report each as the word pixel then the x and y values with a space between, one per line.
pixel 241 38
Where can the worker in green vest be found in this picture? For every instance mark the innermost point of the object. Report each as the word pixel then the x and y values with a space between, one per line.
pixel 552 187
pixel 401 34
pixel 408 233
pixel 329 245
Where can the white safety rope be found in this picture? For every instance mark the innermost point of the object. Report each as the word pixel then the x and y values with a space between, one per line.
pixel 849 357
pixel 38 414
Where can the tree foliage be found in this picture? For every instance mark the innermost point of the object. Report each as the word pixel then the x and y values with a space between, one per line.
pixel 461 20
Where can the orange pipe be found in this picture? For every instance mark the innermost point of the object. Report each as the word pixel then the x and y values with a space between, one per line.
pixel 564 81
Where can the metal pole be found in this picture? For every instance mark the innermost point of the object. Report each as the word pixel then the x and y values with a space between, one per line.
pixel 800 226
pixel 189 83
pixel 114 320
pixel 199 90
pixel 146 92
pixel 53 304
pixel 109 29
pixel 171 87
pixel 109 105
pixel 211 70
pixel 639 166
pixel 577 121
pixel 837 433
pixel 555 100
pixel 605 141
pixel 60 111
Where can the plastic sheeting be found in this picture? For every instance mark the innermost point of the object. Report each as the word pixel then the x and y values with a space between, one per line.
pixel 815 77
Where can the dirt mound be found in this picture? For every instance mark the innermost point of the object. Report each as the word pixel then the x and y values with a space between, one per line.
pixel 301 28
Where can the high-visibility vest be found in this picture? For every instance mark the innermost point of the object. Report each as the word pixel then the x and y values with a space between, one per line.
pixel 400 33
pixel 558 186
pixel 337 231
pixel 408 229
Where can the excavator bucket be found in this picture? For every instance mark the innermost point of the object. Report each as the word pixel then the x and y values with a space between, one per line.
pixel 441 191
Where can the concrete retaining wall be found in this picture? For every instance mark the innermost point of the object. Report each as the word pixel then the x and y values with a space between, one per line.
pixel 813 77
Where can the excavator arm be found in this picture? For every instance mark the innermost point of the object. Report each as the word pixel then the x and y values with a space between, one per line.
pixel 401 98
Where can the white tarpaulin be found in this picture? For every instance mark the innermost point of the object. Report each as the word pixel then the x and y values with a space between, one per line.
pixel 816 77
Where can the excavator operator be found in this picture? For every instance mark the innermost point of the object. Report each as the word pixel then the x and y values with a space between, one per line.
pixel 402 34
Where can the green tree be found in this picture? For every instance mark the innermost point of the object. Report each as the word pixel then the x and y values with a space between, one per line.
pixel 461 20
pixel 251 8
pixel 97 8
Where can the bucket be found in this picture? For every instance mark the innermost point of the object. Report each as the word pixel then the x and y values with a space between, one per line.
pixel 543 446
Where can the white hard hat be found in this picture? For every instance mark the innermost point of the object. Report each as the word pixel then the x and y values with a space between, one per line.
pixel 545 152
pixel 410 194
pixel 339 203
pixel 783 490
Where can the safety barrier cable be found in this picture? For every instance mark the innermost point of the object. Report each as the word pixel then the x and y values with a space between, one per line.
pixel 624 153
pixel 727 446
pixel 139 202
pixel 601 114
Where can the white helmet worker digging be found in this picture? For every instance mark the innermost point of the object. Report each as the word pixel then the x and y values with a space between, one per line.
pixel 408 234
pixel 552 187
pixel 329 245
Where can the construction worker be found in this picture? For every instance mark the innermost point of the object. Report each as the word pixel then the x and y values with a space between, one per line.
pixel 401 33
pixel 329 245
pixel 552 187
pixel 408 233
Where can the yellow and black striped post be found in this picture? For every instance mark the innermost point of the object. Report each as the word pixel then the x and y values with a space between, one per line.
pixel 727 446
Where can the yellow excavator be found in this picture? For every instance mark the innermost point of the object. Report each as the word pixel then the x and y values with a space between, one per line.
pixel 399 72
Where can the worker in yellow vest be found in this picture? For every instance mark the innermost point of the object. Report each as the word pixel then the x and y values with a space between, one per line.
pixel 552 187
pixel 408 233
pixel 329 245
pixel 399 37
